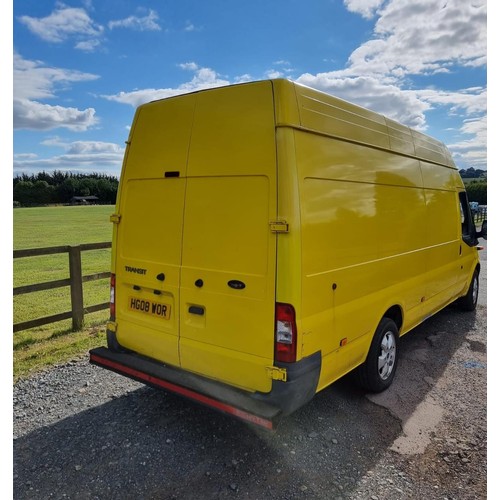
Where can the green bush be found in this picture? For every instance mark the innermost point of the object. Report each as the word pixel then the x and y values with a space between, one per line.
pixel 477 191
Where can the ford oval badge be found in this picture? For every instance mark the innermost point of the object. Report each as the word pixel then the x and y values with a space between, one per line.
pixel 236 284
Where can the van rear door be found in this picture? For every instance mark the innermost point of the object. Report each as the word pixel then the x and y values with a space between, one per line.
pixel 227 294
pixel 149 233
pixel 196 258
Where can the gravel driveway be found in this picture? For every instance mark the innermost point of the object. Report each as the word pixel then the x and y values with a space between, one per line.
pixel 83 432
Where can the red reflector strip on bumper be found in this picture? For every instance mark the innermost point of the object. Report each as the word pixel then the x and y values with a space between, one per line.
pixel 188 393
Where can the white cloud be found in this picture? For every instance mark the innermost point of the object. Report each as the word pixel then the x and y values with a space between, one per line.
pixel 109 164
pixel 88 45
pixel 419 38
pixel 189 27
pixel 204 78
pixel 62 24
pixel 476 127
pixel 34 81
pixel 273 73
pixel 471 101
pixel 423 37
pixel 95 147
pixel 190 66
pixel 84 147
pixel 243 78
pixel 284 70
pixel 79 156
pixel 472 151
pixel 37 116
pixel 366 8
pixel 25 156
pixel 88 4
pixel 145 23
pixel 411 38
pixel 415 38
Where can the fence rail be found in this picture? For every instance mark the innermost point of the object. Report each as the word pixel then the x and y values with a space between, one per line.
pixel 75 282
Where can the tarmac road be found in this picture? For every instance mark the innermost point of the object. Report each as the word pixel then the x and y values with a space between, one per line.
pixel 82 432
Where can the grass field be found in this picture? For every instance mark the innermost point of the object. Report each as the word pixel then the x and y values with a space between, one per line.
pixel 53 226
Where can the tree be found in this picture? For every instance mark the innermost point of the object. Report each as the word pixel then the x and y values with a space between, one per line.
pixel 59 187
pixel 23 193
pixel 477 191
pixel 87 186
pixel 67 190
pixel 472 173
pixel 106 190
pixel 43 193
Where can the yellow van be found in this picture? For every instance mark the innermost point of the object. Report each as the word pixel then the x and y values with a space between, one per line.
pixel 269 238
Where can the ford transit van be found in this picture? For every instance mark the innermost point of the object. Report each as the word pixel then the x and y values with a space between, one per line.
pixel 269 238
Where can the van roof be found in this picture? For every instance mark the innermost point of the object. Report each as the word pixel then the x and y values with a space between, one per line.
pixel 326 114
pixel 303 107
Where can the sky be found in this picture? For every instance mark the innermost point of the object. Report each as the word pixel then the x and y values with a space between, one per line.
pixel 81 67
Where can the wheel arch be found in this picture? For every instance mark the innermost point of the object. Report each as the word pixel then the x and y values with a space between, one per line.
pixel 396 314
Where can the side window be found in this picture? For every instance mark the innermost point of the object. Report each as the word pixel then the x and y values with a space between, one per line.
pixel 468 228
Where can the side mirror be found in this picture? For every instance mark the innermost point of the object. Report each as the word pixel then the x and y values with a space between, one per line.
pixel 483 232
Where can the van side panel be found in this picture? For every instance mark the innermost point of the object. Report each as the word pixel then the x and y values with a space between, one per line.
pixel 444 238
pixel 363 214
pixel 289 276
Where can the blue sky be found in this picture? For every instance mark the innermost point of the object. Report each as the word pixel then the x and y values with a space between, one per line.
pixel 81 67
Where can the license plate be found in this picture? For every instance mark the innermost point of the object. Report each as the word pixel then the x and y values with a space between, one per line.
pixel 156 309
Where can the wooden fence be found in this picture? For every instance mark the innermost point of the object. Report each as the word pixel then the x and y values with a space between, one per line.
pixel 75 282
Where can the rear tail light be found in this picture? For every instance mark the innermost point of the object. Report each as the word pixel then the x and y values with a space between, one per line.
pixel 285 349
pixel 112 309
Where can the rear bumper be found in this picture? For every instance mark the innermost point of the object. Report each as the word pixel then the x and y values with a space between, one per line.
pixel 260 409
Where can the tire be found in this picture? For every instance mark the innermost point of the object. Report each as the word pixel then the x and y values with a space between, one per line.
pixel 469 302
pixel 377 372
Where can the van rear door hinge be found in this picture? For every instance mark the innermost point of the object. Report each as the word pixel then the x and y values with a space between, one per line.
pixel 279 226
pixel 276 373
pixel 115 218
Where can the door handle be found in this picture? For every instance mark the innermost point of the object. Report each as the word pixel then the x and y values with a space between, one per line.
pixel 197 310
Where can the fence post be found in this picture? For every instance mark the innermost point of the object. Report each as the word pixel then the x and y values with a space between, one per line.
pixel 75 275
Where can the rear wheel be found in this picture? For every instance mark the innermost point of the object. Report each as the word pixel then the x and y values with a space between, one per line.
pixel 468 302
pixel 377 372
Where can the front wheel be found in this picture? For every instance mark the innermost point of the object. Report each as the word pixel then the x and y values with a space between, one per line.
pixel 377 372
pixel 468 302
